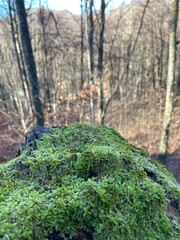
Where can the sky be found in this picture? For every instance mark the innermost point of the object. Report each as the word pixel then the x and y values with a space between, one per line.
pixel 74 5
pixel 70 5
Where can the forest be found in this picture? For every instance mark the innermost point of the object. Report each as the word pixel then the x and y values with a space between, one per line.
pixel 114 67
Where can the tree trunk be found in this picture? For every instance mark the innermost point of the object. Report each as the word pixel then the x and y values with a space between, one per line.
pixel 89 28
pixel 170 80
pixel 29 61
pixel 100 65
pixel 82 47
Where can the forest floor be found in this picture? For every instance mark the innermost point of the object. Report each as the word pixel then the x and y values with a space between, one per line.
pixel 140 133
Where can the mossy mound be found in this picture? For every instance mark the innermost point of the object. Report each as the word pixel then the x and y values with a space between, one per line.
pixel 87 182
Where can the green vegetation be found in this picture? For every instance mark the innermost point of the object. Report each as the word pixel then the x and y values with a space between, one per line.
pixel 87 177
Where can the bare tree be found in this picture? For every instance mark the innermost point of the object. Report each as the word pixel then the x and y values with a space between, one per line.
pixel 130 54
pixel 82 46
pixel 170 81
pixel 29 61
pixel 100 63
pixel 89 28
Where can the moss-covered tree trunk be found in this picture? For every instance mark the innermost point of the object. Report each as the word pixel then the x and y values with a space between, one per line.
pixel 170 80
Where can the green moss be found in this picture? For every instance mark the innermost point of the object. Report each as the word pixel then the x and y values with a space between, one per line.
pixel 87 177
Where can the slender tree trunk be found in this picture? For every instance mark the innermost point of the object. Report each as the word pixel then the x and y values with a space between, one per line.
pixel 89 26
pixel 20 70
pixel 82 47
pixel 170 80
pixel 100 65
pixel 29 61
pixel 15 46
pixel 21 59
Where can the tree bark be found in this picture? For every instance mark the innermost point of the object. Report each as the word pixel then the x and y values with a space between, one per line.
pixel 89 28
pixel 170 81
pixel 30 63
pixel 82 47
pixel 100 65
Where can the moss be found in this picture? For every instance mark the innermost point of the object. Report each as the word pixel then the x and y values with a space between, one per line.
pixel 88 178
